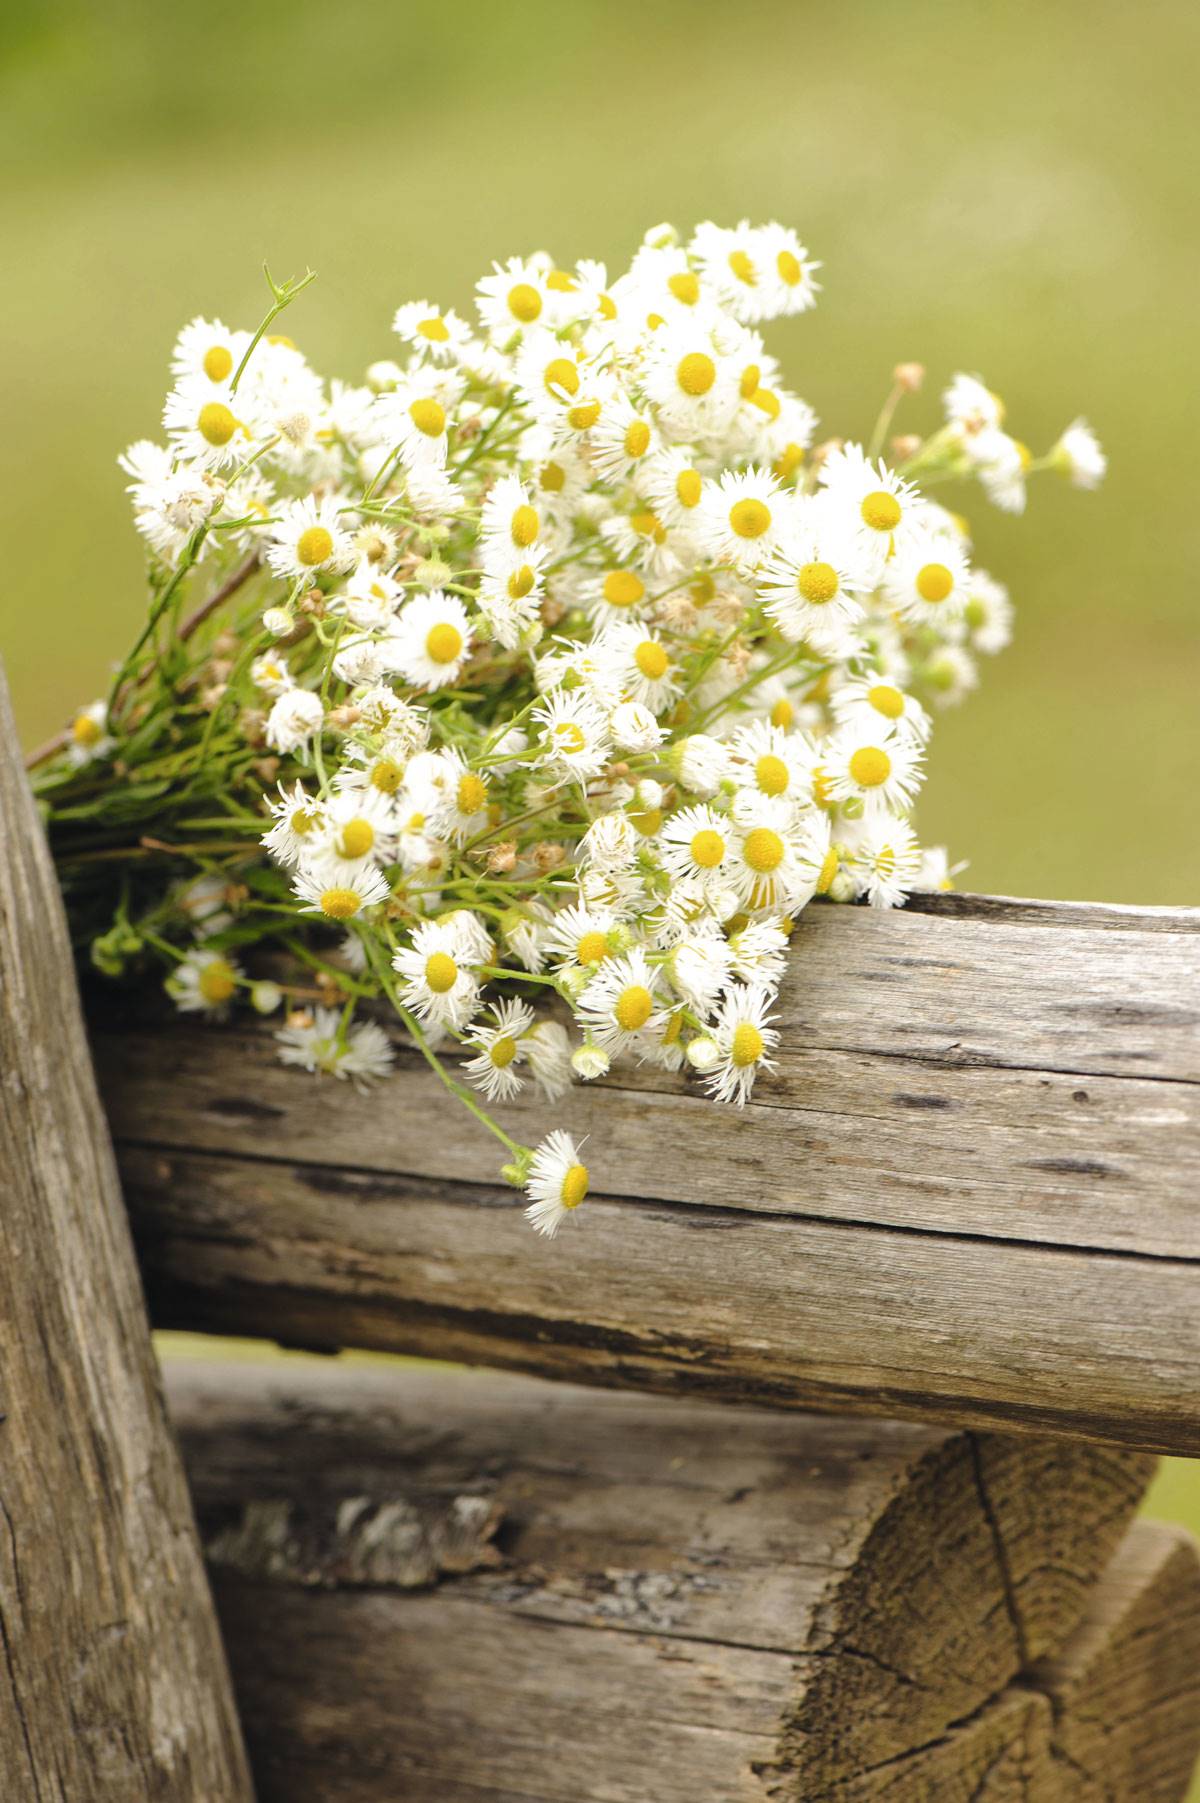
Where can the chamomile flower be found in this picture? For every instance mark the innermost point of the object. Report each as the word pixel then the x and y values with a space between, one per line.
pixel 496 1042
pixel 340 894
pixel 777 857
pixel 297 820
pixel 768 760
pixel 208 351
pixel 1078 455
pixel 308 539
pixel 88 737
pixel 988 615
pixel 696 844
pixel 622 440
pixel 417 416
pixel 440 337
pixel 929 581
pixel 868 703
pixel 511 522
pixel 786 273
pixel 580 937
pixel 203 421
pixel 355 829
pixel 620 1006
pixel 876 507
pixel 874 766
pixel 673 485
pixel 690 380
pixel 318 1041
pixel 204 982
pixel 556 1185
pixel 438 983
pixel 269 672
pixel 295 718
pixel 972 407
pixel 513 298
pixel 643 666
pixel 432 640
pixel 733 266
pixel 814 586
pixel 745 1039
pixel 574 736
pixel 741 518
pixel 885 860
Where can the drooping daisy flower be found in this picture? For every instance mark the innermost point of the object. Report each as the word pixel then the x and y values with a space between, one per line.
pixel 342 894
pixel 557 1183
pixel 1078 455
pixel 316 1041
pixel 497 1045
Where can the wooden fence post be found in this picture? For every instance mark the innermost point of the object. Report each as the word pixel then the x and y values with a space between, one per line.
pixel 113 1683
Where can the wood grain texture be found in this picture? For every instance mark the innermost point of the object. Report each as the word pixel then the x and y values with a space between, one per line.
pixel 588 1595
pixel 113 1684
pixel 968 1193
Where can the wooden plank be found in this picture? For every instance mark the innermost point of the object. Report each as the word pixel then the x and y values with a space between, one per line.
pixel 794 1603
pixel 968 1192
pixel 113 1685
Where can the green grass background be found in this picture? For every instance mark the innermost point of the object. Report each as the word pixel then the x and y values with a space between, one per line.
pixel 993 186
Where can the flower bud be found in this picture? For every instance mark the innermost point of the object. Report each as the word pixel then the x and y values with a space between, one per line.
pixel 265 997
pixel 589 1061
pixel 703 1054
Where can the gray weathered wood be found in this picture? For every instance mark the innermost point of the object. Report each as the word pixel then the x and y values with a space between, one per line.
pixel 968 1192
pixel 448 1585
pixel 113 1684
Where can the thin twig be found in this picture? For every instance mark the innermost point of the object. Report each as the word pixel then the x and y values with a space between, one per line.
pixel 226 589
pixel 40 755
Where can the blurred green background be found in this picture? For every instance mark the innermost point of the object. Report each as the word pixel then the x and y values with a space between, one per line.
pixel 1001 187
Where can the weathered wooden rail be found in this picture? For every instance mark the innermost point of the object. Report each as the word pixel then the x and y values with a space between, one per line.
pixel 968 1194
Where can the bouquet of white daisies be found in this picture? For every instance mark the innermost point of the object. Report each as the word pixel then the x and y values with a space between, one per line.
pixel 529 689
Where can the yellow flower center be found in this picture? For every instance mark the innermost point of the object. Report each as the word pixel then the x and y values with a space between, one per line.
pixel 502 1051
pixel 788 461
pixel 356 838
pixel 743 267
pixel 783 713
pixel 886 700
pixel 747 1045
pixel 441 972
pixel 386 776
pixel 822 788
pixel 817 582
pixel 696 373
pixel 562 373
pixel 789 268
pixel 591 948
pixel 648 823
pixel 880 510
pixel 751 377
pixel 634 1008
pixel 216 982
pixel 771 774
pixel 561 281
pixel 648 525
pixel 707 848
pixel 216 423
pixel 829 866
pixel 651 659
pixel 934 582
pixel 767 401
pixel 524 526
pixel 443 643
pixel 428 416
pixel 622 588
pixel 520 583
pixel 870 766
pixel 313 546
pixel 218 361
pixel 472 793
pixel 763 850
pixel 583 417
pixel 608 307
pixel 524 303
pixel 688 487
pixel 574 1186
pixel 672 1030
pixel 685 287
pixel 85 731
pixel 750 518
pixel 637 438
pixel 340 904
pixel 435 329
pixel 570 737
pixel 553 478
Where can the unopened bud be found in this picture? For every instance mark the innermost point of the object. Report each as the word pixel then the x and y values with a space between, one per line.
pixel 265 997
pixel 906 445
pixel 703 1054
pixel 589 1061
pixel 909 376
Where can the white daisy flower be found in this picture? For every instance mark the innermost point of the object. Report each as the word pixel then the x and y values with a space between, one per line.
pixel 614 595
pixel 696 844
pixel 1078 455
pixel 885 860
pixel 438 983
pixel 88 737
pixel 207 350
pixel 1001 463
pixel 786 272
pixel 497 1044
pixel 634 728
pixel 316 1041
pixel 297 816
pixel 950 674
pixel 308 539
pixel 929 581
pixel 619 1005
pixel 202 420
pixel 513 298
pixel 340 895
pixel 510 521
pixel 744 1039
pixel 432 640
pixel 574 734
pixel 699 965
pixel 768 760
pixel 877 507
pixel 556 1185
pixel 868 703
pixel 777 858
pixel 731 262
pixel 204 982
pixel 296 716
pixel 758 952
pixel 547 1047
pixel 691 382
pixel 673 485
pixel 441 337
pixel 269 672
pixel 815 585
pixel 988 615
pixel 579 936
pixel 622 440
pixel 355 829
pixel 877 767
pixel 972 407
pixel 741 517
